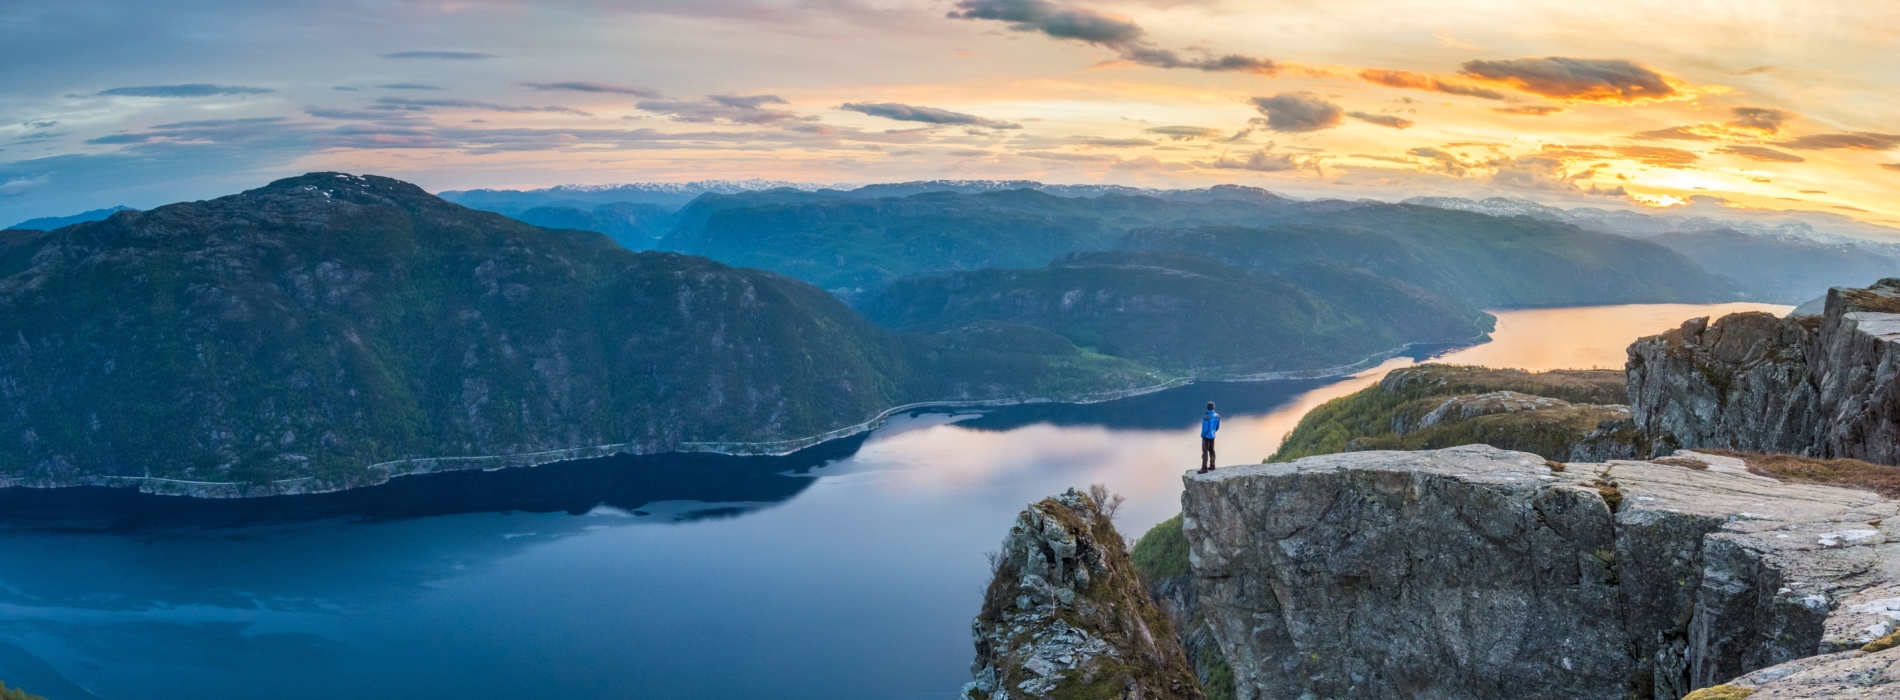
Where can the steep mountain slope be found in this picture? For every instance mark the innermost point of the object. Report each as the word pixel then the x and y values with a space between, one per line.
pixel 1779 269
pixel 1189 313
pixel 633 226
pixel 327 322
pixel 1484 260
pixel 846 244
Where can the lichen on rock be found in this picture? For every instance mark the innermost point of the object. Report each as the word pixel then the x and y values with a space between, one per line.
pixel 1066 616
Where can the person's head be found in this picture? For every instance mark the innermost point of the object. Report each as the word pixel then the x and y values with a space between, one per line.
pixel 1210 405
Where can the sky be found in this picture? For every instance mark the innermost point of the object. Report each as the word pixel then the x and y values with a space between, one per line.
pixel 1746 103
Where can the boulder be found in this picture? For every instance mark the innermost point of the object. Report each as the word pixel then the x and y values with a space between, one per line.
pixel 1474 572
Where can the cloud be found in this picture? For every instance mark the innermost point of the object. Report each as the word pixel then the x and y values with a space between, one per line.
pixel 1754 71
pixel 1266 160
pixel 1648 155
pixel 1582 79
pixel 1890 166
pixel 1545 173
pixel 47 124
pixel 183 91
pixel 404 103
pixel 1699 132
pixel 407 86
pixel 736 109
pixel 1298 111
pixel 20 186
pixel 1530 110
pixel 1760 119
pixel 584 86
pixel 1084 157
pixel 442 55
pixel 927 115
pixel 1185 133
pixel 1761 154
pixel 1103 142
pixel 1385 120
pixel 1857 141
pixel 1128 39
pixel 1408 80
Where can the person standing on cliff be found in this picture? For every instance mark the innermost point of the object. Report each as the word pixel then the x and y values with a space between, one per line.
pixel 1210 424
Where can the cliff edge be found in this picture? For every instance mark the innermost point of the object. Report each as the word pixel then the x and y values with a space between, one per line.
pixel 1474 572
pixel 1812 385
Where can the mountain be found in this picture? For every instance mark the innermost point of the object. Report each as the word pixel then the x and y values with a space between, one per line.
pixel 860 244
pixel 52 222
pixel 1187 313
pixel 672 195
pixel 633 226
pixel 1484 260
pixel 1781 269
pixel 327 322
pixel 1700 213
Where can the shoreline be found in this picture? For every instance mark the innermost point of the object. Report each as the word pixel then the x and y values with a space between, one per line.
pixel 383 472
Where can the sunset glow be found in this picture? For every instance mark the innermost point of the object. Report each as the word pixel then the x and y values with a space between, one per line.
pixel 1600 104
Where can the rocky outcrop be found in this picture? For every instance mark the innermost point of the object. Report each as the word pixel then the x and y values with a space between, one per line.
pixel 1850 674
pixel 1474 572
pixel 1818 386
pixel 1066 615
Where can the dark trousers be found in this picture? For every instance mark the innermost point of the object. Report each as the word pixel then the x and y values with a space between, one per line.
pixel 1207 453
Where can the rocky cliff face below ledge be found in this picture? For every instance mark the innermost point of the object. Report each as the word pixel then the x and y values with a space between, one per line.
pixel 1474 572
pixel 1066 616
pixel 1818 386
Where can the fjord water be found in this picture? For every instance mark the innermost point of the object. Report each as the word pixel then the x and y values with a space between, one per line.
pixel 850 570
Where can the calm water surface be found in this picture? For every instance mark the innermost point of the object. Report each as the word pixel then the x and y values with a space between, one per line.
pixel 849 571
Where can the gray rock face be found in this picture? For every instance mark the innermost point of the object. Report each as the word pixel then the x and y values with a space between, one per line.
pixel 1818 386
pixel 1473 572
pixel 1066 613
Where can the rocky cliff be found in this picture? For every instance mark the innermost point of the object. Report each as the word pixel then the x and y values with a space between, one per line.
pixel 1066 616
pixel 1812 385
pixel 1474 572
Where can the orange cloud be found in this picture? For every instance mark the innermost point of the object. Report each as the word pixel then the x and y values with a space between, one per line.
pixel 1580 79
pixel 1407 80
pixel 1761 154
pixel 1531 110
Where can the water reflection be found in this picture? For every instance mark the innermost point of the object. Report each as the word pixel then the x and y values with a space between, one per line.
pixel 850 571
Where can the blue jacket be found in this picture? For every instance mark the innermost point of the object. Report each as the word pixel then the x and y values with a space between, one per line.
pixel 1210 425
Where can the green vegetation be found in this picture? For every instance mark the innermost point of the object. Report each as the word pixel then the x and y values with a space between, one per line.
pixel 1366 419
pixel 1882 644
pixel 327 322
pixel 16 694
pixel 851 244
pixel 1720 692
pixel 1484 260
pixel 1190 314
pixel 1162 553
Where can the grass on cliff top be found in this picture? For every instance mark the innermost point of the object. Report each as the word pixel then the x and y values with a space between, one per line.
pixel 1163 552
pixel 16 694
pixel 1333 426
pixel 1850 473
pixel 1548 433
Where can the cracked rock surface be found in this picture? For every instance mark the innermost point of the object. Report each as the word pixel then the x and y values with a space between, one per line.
pixel 1474 572
pixel 1066 615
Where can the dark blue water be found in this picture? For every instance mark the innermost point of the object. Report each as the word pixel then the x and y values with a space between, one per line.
pixel 848 571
